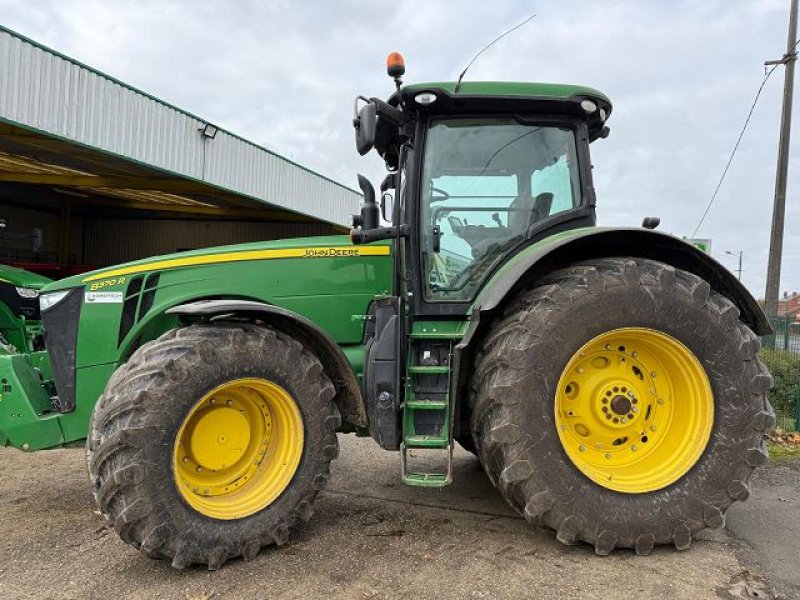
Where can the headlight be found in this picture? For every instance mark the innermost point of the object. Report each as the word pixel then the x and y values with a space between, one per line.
pixel 48 301
pixel 27 292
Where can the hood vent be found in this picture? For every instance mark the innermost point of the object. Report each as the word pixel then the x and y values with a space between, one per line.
pixel 137 302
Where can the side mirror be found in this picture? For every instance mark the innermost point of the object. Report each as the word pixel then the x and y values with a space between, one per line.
pixel 365 123
pixel 387 206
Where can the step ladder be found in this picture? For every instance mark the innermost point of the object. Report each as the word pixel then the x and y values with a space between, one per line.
pixel 427 410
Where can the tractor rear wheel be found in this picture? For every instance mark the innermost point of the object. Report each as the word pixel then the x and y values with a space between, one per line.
pixel 212 442
pixel 621 402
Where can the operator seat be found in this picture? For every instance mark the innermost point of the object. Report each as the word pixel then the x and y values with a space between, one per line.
pixel 541 207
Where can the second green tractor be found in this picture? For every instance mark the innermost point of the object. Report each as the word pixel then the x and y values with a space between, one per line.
pixel 606 378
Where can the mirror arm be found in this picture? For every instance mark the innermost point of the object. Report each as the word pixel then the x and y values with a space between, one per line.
pixel 387 111
pixel 365 236
pixel 388 182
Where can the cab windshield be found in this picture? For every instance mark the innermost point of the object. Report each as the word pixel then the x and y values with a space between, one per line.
pixel 485 183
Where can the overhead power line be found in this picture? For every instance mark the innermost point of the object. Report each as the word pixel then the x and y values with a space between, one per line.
pixel 738 141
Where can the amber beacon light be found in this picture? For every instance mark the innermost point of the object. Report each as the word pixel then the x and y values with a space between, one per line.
pixel 395 64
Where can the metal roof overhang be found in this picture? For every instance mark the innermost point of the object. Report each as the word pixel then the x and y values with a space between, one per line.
pixel 95 141
pixel 87 178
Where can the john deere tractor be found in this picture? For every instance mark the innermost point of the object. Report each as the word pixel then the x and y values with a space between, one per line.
pixel 22 351
pixel 606 378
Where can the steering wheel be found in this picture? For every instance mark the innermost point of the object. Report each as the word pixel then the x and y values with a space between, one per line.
pixel 442 195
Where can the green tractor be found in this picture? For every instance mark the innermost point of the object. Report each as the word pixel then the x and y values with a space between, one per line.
pixel 606 378
pixel 20 324
pixel 22 351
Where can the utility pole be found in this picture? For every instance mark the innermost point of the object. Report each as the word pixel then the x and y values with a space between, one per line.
pixel 779 209
pixel 739 254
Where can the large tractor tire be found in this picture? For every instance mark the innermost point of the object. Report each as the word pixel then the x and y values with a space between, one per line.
pixel 212 442
pixel 621 402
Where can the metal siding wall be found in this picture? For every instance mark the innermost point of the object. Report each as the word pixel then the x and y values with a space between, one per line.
pixel 112 241
pixel 42 90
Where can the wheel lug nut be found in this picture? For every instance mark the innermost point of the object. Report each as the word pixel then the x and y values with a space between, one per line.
pixel 660 401
pixel 634 354
pixel 608 454
pixel 623 420
pixel 581 447
pixel 212 401
pixel 652 373
pixel 635 408
pixel 631 394
pixel 652 427
pixel 634 448
pixel 229 403
pixel 581 370
pixel 199 469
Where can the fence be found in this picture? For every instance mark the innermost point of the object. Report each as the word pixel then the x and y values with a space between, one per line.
pixel 781 353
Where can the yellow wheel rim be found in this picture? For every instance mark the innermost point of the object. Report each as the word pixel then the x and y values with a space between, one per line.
pixel 238 448
pixel 634 410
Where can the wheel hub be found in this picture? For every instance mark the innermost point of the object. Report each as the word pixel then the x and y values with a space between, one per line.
pixel 228 429
pixel 238 448
pixel 621 405
pixel 615 414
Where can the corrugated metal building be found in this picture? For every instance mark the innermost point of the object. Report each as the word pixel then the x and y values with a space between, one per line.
pixel 93 171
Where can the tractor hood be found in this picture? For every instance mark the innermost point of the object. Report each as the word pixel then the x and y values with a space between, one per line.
pixel 310 247
pixel 22 278
pixel 96 320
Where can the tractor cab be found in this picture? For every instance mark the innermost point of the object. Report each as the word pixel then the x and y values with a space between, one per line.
pixel 483 169
pixel 477 172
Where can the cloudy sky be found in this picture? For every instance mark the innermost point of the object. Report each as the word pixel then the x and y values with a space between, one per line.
pixel 681 74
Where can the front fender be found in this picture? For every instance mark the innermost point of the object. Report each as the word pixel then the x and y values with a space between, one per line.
pixel 573 246
pixel 348 395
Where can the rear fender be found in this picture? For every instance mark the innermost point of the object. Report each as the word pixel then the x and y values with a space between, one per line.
pixel 562 250
pixel 348 395
pixel 550 254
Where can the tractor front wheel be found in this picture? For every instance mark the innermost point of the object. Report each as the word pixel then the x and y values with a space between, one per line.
pixel 212 442
pixel 621 402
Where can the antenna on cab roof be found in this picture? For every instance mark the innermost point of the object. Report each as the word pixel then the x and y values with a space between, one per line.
pixel 485 48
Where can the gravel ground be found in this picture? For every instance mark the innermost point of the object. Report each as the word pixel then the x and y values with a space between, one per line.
pixel 372 537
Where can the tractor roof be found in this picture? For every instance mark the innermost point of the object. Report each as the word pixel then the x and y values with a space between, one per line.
pixel 528 89
pixel 511 97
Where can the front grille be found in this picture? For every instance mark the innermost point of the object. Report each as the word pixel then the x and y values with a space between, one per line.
pixel 61 337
